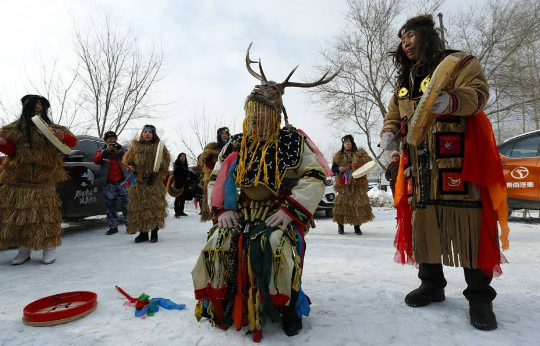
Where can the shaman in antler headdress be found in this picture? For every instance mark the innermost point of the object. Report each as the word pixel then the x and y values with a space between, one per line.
pixel 251 266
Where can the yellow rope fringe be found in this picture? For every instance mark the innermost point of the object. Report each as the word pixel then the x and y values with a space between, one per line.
pixel 261 125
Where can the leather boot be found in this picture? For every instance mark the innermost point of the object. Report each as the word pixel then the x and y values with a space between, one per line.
pixel 424 295
pixel 154 236
pixel 292 324
pixel 142 237
pixel 340 229
pixel 482 316
pixel 357 230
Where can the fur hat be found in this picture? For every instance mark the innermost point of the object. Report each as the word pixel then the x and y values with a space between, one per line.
pixel 395 153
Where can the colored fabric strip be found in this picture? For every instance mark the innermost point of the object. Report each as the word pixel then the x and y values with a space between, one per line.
pixel 218 193
pixel 403 239
pixel 482 166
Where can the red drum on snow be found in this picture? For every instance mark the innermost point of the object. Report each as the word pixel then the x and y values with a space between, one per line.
pixel 59 308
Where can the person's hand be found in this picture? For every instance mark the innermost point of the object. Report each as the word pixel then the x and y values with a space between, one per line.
pixel 387 142
pixel 131 168
pixel 280 218
pixel 110 147
pixel 58 134
pixel 228 219
pixel 441 103
pixel 2 141
pixel 342 169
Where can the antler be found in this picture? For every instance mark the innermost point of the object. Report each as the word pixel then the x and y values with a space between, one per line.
pixel 261 76
pixel 321 81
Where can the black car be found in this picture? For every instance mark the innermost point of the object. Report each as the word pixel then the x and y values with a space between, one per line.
pixel 82 194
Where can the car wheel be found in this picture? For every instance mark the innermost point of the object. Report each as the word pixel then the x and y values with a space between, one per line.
pixel 329 212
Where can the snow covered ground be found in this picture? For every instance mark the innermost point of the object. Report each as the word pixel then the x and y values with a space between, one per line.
pixel 356 289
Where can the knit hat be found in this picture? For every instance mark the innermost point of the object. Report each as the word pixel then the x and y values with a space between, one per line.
pixel 395 153
pixel 109 134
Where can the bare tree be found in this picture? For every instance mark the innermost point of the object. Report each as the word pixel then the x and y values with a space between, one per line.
pixel 359 93
pixel 193 135
pixel 117 73
pixel 59 84
pixel 504 36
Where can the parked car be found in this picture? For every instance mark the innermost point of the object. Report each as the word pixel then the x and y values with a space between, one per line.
pixel 327 202
pixel 520 157
pixel 81 194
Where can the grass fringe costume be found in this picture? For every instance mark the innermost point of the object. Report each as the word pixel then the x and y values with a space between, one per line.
pixel 147 207
pixel 30 213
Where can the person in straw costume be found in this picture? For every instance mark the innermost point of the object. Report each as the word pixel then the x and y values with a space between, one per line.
pixel 30 215
pixel 147 207
pixel 352 205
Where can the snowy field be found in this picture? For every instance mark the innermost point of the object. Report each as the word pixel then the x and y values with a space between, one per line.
pixel 356 289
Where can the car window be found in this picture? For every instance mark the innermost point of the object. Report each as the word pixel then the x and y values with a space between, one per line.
pixel 89 147
pixel 527 147
pixel 506 148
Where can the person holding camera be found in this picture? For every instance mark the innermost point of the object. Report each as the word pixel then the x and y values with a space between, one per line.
pixel 112 173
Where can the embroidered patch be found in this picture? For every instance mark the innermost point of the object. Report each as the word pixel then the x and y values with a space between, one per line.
pixel 406 160
pixel 424 84
pixel 451 182
pixel 403 92
pixel 403 126
pixel 410 187
pixel 289 155
pixel 449 145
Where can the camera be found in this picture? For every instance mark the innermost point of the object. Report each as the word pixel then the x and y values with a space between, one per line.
pixel 114 145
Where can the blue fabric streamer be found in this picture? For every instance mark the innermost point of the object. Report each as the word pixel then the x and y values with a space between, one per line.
pixel 230 189
pixel 154 305
pixel 129 181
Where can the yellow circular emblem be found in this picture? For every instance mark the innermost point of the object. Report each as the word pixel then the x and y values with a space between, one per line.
pixel 403 91
pixel 424 84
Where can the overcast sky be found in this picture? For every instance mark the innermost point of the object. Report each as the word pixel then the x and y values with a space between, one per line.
pixel 205 42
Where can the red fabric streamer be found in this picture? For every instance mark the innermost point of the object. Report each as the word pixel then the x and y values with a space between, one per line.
pixel 482 166
pixel 403 240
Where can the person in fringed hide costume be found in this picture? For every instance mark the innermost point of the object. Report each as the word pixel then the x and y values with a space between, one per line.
pixel 352 205
pixel 30 214
pixel 450 189
pixel 251 266
pixel 147 207
pixel 207 161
